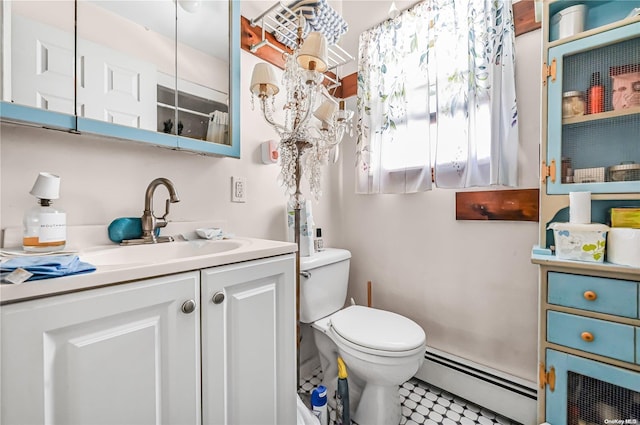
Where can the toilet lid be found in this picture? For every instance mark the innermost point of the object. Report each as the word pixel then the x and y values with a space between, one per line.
pixel 377 329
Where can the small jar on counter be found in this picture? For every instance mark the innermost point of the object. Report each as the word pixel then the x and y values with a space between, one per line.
pixel 572 104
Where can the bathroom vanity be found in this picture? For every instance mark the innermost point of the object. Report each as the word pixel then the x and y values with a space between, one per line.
pixel 207 336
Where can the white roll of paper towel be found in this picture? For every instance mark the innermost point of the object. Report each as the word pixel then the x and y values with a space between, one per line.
pixel 623 246
pixel 580 207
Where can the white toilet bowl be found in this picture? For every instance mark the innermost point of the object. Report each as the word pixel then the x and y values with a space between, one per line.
pixel 381 350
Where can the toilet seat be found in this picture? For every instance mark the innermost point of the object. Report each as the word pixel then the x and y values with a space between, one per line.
pixel 377 331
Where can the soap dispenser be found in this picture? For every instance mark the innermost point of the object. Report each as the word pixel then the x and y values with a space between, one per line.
pixel 45 227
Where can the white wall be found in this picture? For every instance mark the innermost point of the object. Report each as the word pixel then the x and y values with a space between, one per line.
pixel 469 284
pixel 103 179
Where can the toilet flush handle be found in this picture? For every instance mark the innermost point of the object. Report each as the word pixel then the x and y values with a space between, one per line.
pixel 305 274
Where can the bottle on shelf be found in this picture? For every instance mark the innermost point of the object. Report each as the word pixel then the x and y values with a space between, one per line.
pixel 595 96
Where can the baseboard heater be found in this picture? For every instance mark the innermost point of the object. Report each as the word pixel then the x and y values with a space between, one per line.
pixel 507 395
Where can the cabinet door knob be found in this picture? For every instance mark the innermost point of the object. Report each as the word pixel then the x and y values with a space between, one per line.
pixel 590 295
pixel 188 306
pixel 587 336
pixel 218 297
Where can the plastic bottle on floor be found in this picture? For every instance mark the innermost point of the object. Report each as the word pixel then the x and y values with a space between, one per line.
pixel 342 395
pixel 319 404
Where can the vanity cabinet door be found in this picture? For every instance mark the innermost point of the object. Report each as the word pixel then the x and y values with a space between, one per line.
pixel 126 354
pixel 248 343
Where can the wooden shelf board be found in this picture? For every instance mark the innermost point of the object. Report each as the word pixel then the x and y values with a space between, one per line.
pixel 601 116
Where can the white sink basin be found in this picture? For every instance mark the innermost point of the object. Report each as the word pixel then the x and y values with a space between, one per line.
pixel 157 253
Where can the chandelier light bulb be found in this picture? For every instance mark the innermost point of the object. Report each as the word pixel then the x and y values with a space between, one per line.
pixel 393 11
pixel 190 6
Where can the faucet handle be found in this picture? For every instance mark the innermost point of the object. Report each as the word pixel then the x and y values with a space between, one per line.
pixel 162 221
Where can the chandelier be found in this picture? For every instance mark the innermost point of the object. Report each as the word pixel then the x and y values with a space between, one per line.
pixel 314 121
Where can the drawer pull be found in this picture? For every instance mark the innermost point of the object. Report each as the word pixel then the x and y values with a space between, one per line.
pixel 590 296
pixel 587 336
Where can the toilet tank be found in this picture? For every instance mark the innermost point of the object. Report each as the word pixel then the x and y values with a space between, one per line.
pixel 323 283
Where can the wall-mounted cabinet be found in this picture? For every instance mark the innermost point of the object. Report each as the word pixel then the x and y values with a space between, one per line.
pixel 588 148
pixel 589 137
pixel 162 72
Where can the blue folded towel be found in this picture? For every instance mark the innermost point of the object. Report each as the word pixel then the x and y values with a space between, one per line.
pixel 47 266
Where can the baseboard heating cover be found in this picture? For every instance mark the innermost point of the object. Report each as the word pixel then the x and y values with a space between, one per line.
pixel 508 395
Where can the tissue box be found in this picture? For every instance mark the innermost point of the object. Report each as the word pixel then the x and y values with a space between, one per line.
pixel 582 242
pixel 625 217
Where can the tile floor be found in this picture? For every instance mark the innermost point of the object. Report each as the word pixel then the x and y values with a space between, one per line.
pixel 424 404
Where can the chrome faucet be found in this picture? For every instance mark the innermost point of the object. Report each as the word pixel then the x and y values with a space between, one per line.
pixel 150 223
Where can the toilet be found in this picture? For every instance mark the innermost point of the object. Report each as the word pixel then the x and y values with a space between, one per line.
pixel 381 349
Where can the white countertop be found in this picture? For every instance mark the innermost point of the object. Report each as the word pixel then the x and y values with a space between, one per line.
pixel 245 249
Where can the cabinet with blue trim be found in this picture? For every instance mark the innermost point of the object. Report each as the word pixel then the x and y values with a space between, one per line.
pixel 589 347
pixel 589 317
pixel 62 69
pixel 593 107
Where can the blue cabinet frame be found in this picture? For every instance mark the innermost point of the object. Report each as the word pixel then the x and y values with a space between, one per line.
pixel 554 123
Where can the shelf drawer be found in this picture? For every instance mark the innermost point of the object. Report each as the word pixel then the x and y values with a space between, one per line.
pixel 608 339
pixel 599 294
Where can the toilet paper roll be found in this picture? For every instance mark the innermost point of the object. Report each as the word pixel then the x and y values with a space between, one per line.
pixel 623 246
pixel 580 207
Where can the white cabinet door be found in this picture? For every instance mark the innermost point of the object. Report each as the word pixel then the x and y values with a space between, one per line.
pixel 125 354
pixel 248 343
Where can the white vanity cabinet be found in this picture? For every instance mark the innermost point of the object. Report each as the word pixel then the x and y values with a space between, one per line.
pixel 125 354
pixel 211 345
pixel 248 343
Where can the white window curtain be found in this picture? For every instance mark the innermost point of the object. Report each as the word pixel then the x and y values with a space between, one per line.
pixel 438 78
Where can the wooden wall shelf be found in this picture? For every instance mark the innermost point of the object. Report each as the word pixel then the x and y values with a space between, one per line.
pixel 511 205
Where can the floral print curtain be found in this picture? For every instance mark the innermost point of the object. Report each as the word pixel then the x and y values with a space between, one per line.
pixel 438 78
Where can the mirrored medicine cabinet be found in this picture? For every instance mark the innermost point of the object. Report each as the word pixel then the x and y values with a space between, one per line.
pixel 164 72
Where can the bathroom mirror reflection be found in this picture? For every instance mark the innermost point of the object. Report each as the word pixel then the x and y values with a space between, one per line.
pixel 174 77
pixel 38 54
pixel 157 65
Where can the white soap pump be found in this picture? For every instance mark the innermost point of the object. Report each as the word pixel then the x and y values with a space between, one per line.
pixel 45 227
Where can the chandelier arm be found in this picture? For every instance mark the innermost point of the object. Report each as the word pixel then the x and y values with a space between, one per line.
pixel 299 123
pixel 278 127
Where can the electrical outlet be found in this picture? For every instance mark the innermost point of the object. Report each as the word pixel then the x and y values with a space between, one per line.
pixel 238 189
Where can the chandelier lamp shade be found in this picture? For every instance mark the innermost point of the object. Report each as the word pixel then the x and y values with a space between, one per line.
pixel 263 81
